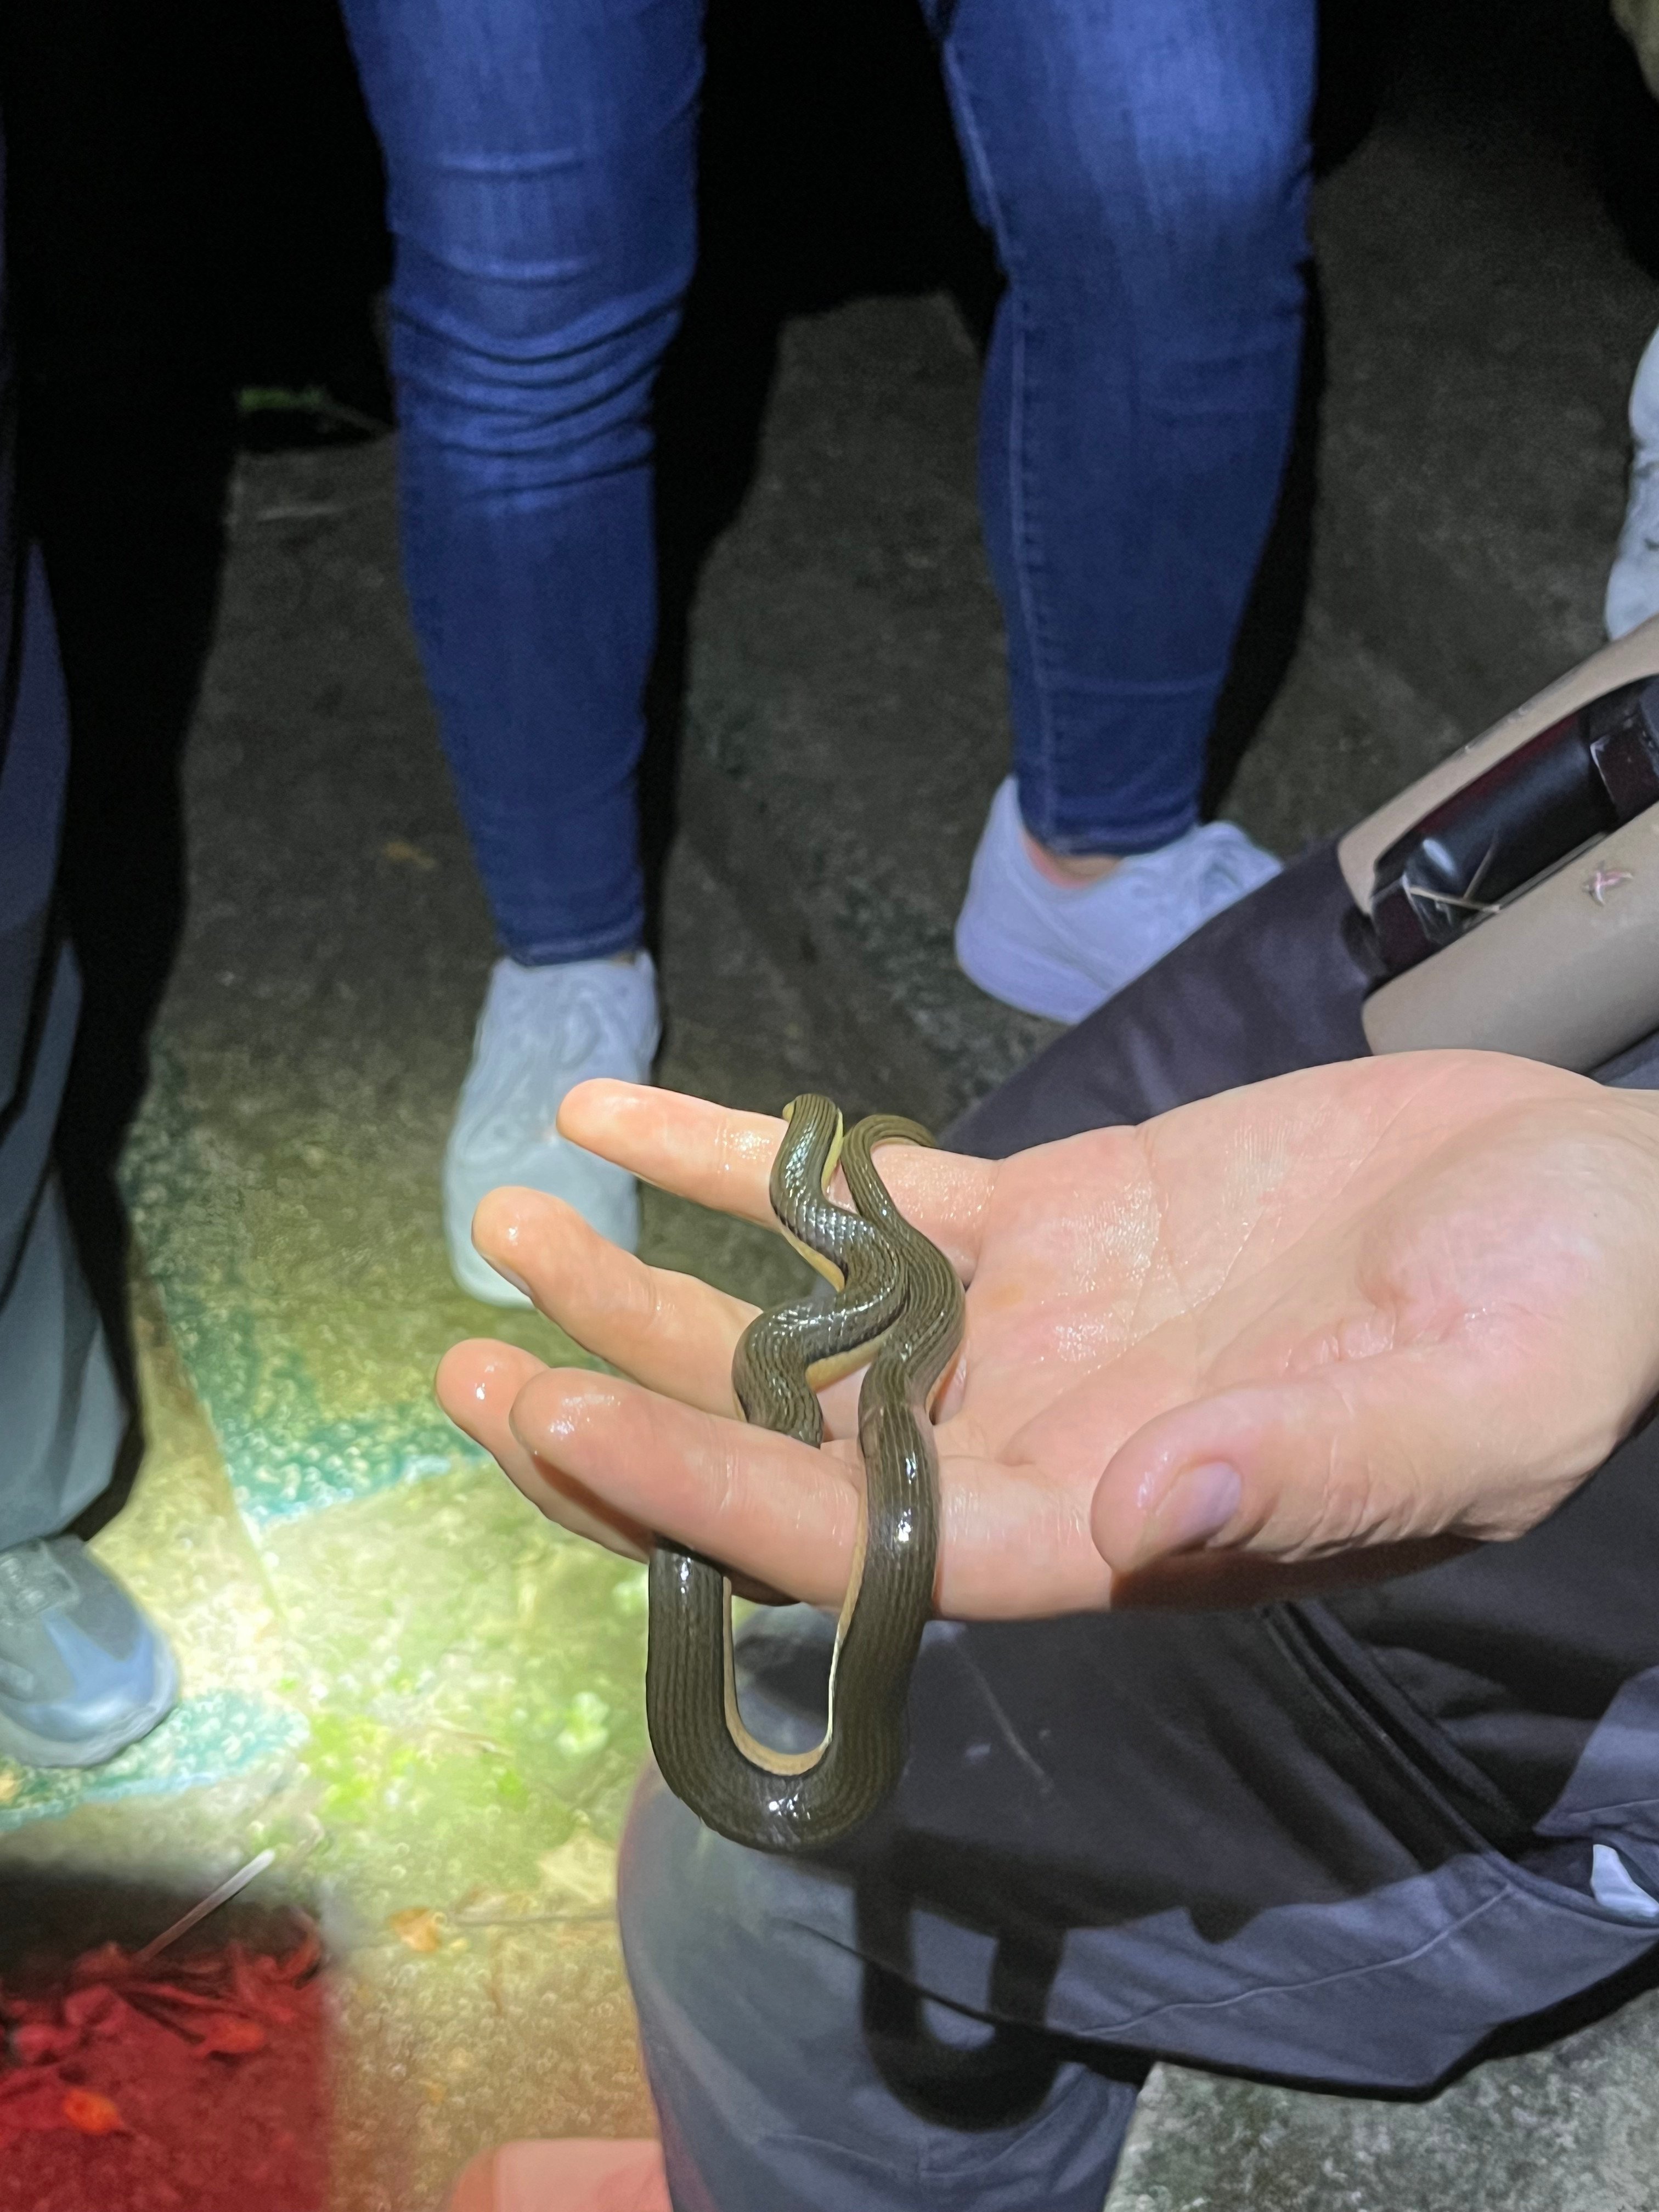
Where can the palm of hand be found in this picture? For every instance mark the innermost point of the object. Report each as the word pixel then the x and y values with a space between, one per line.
pixel 1396 1302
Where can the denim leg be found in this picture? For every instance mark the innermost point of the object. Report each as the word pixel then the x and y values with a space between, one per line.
pixel 1143 165
pixel 541 163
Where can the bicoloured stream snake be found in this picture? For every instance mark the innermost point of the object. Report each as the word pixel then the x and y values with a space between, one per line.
pixel 898 1305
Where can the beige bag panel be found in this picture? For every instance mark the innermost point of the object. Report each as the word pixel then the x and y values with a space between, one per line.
pixel 1568 974
pixel 1567 971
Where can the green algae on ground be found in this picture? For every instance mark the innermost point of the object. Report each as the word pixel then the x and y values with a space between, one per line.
pixel 474 1680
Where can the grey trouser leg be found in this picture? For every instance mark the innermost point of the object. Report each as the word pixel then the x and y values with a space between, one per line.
pixel 61 1416
pixel 787 2069
pixel 1341 1843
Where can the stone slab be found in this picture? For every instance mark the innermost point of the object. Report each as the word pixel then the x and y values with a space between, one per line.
pixel 1574 2128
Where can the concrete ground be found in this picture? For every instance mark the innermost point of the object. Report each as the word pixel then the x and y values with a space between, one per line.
pixel 396 1675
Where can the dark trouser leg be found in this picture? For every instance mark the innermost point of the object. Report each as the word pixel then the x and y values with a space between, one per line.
pixel 778 2085
pixel 61 1417
pixel 1119 1836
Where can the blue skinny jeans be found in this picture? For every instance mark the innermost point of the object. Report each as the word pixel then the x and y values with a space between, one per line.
pixel 1142 166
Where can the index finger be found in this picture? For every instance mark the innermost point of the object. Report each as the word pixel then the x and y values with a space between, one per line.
pixel 723 1157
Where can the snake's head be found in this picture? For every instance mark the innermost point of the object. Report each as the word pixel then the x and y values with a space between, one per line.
pixel 814 1100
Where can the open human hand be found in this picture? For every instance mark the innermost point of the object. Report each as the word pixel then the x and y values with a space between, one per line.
pixel 1328 1326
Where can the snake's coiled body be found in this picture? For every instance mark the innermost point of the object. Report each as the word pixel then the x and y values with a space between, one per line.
pixel 895 1292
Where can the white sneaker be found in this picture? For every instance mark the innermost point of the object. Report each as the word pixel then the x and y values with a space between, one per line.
pixel 1633 586
pixel 1061 948
pixel 544 1031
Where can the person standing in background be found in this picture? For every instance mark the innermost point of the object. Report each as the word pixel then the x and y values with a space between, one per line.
pixel 82 1673
pixel 1143 167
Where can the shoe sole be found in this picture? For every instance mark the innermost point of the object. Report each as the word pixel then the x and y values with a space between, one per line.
pixel 479 1280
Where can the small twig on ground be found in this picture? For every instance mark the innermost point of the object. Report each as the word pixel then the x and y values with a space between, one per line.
pixel 227 1889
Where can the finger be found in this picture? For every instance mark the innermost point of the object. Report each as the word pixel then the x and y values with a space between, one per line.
pixel 1400 1449
pixel 779 1515
pixel 723 1159
pixel 762 1504
pixel 476 1384
pixel 668 1331
pixel 719 1157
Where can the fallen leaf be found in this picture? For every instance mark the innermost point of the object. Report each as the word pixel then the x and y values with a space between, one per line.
pixel 231 2034
pixel 580 1873
pixel 94 2005
pixel 420 1927
pixel 37 2043
pixel 411 856
pixel 91 2114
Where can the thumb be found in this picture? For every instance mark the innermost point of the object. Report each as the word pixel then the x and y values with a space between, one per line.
pixel 1393 1450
